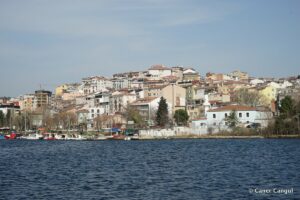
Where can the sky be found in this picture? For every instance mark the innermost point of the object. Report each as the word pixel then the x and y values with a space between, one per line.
pixel 45 43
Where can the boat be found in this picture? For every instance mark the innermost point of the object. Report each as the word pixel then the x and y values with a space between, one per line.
pixel 49 136
pixel 101 137
pixel 75 137
pixel 116 137
pixel 33 136
pixel 11 136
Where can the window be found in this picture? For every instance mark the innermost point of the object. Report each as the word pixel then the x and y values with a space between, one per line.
pixel 247 114
pixel 92 110
pixel 240 114
pixel 214 115
pixel 92 115
pixel 225 114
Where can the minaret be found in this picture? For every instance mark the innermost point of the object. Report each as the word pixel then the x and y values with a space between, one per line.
pixel 206 104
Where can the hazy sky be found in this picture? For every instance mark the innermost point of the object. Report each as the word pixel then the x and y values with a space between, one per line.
pixel 50 42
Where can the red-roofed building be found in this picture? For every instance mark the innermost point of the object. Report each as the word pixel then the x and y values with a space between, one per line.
pixel 216 118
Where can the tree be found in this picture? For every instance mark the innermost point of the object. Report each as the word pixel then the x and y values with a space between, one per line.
pixel 232 120
pixel 8 118
pixel 162 117
pixel 66 120
pixel 181 117
pixel 287 108
pixel 132 114
pixel 249 98
pixel 2 119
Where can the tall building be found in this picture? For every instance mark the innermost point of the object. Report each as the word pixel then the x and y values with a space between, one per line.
pixel 42 99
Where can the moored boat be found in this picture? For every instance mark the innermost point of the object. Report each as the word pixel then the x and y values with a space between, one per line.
pixel 11 136
pixel 32 136
pixel 49 136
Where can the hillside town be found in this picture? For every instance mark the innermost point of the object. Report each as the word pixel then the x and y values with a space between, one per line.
pixel 130 101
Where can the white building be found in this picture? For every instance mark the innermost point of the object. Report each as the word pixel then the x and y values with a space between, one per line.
pixel 120 83
pixel 156 72
pixel 215 118
pixel 5 108
pixel 95 84
pixel 120 100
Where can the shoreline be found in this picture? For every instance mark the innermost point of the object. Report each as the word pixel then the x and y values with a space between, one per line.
pixel 224 137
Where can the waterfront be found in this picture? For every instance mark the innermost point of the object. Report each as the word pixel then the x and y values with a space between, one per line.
pixel 154 169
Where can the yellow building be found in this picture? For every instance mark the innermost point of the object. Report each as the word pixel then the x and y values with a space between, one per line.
pixel 60 90
pixel 269 94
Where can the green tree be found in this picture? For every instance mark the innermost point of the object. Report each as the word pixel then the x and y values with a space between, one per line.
pixel 286 107
pixel 232 120
pixel 2 119
pixel 162 117
pixel 181 117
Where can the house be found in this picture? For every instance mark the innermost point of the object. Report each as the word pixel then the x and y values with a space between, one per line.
pixel 177 72
pixel 175 97
pixel 120 99
pixel 95 84
pixel 153 90
pixel 245 115
pixel 268 93
pixel 120 83
pixel 136 83
pixel 61 89
pixel 190 75
pixel 215 118
pixel 217 77
pixel 27 102
pixel 156 72
pixel 147 108
pixel 238 75
pixel 219 97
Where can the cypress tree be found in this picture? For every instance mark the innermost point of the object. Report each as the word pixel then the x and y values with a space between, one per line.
pixel 162 117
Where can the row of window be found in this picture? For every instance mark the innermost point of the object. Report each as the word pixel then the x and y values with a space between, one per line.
pixel 240 115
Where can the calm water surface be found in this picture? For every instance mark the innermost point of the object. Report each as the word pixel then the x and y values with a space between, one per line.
pixel 160 169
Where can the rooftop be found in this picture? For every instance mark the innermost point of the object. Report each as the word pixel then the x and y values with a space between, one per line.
pixel 233 107
pixel 159 67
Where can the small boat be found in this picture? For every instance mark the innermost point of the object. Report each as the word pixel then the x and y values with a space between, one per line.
pixel 76 137
pixel 132 137
pixel 11 136
pixel 116 137
pixel 49 136
pixel 33 136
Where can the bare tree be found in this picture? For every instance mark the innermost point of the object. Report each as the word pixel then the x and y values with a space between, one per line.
pixel 249 98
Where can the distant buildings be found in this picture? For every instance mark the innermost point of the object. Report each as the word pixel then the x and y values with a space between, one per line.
pixel 207 100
